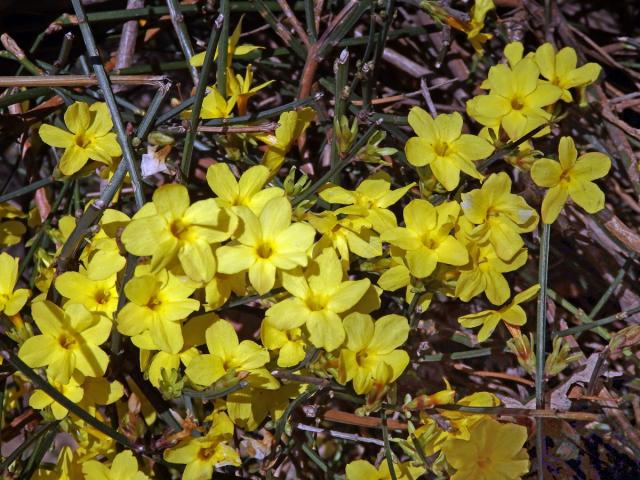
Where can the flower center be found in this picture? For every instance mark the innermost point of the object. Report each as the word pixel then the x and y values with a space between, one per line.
pixel 264 250
pixel 154 303
pixel 66 340
pixel 178 228
pixel 430 243
pixel 206 453
pixel 102 296
pixel 82 140
pixel 517 103
pixel 315 303
pixel 441 149
pixel 361 357
pixel 293 334
pixel 484 463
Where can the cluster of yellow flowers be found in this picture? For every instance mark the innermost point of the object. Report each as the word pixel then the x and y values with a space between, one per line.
pixel 320 274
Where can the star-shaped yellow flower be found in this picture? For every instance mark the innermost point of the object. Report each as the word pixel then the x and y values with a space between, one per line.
pixel 573 177
pixel 89 137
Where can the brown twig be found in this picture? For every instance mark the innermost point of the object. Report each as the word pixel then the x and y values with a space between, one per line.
pixel 259 128
pixel 127 46
pixel 286 9
pixel 80 80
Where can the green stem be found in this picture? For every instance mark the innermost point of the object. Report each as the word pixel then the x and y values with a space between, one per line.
pixel 337 168
pixel 213 394
pixel 598 323
pixel 177 19
pixel 46 387
pixel 387 446
pixel 44 182
pixel 541 325
pixel 223 50
pixel 24 95
pixel 309 16
pixel 107 92
pixel 147 122
pixel 611 288
pixel 187 152
pixel 13 456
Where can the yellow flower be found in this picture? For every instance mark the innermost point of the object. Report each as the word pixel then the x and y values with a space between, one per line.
pixel 241 89
pixel 513 314
pixel 499 216
pixel 516 99
pixel 11 230
pixel 71 389
pixel 485 273
pixel 560 69
pixel 348 234
pixel 266 244
pixel 69 341
pixel 157 303
pixel 193 332
pixel 68 467
pixel 226 355
pixel 478 13
pixel 459 424
pixel 570 177
pixel 202 455
pixel 84 391
pixel 363 470
pixel 442 145
pixel 233 48
pixel 264 397
pixel 215 105
pixel 371 201
pixel 292 125
pixel 124 466
pixel 370 344
pixel 290 344
pixel 89 137
pixel 11 300
pixel 494 450
pixel 219 289
pixel 513 52
pixel 248 192
pixel 97 295
pixel 426 238
pixel 170 229
pixel 319 297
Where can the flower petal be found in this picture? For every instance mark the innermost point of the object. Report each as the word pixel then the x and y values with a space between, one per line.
pixel 54 136
pixel 77 117
pixel 587 194
pixel 546 173
pixel 553 202
pixel 591 166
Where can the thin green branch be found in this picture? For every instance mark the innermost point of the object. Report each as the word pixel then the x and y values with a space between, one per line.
pixel 387 446
pixel 309 16
pixel 337 168
pixel 541 325
pixel 154 107
pixel 107 92
pixel 216 31
pixel 598 323
pixel 177 20
pixel 13 456
pixel 43 182
pixel 612 287
pixel 6 346
pixel 223 50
